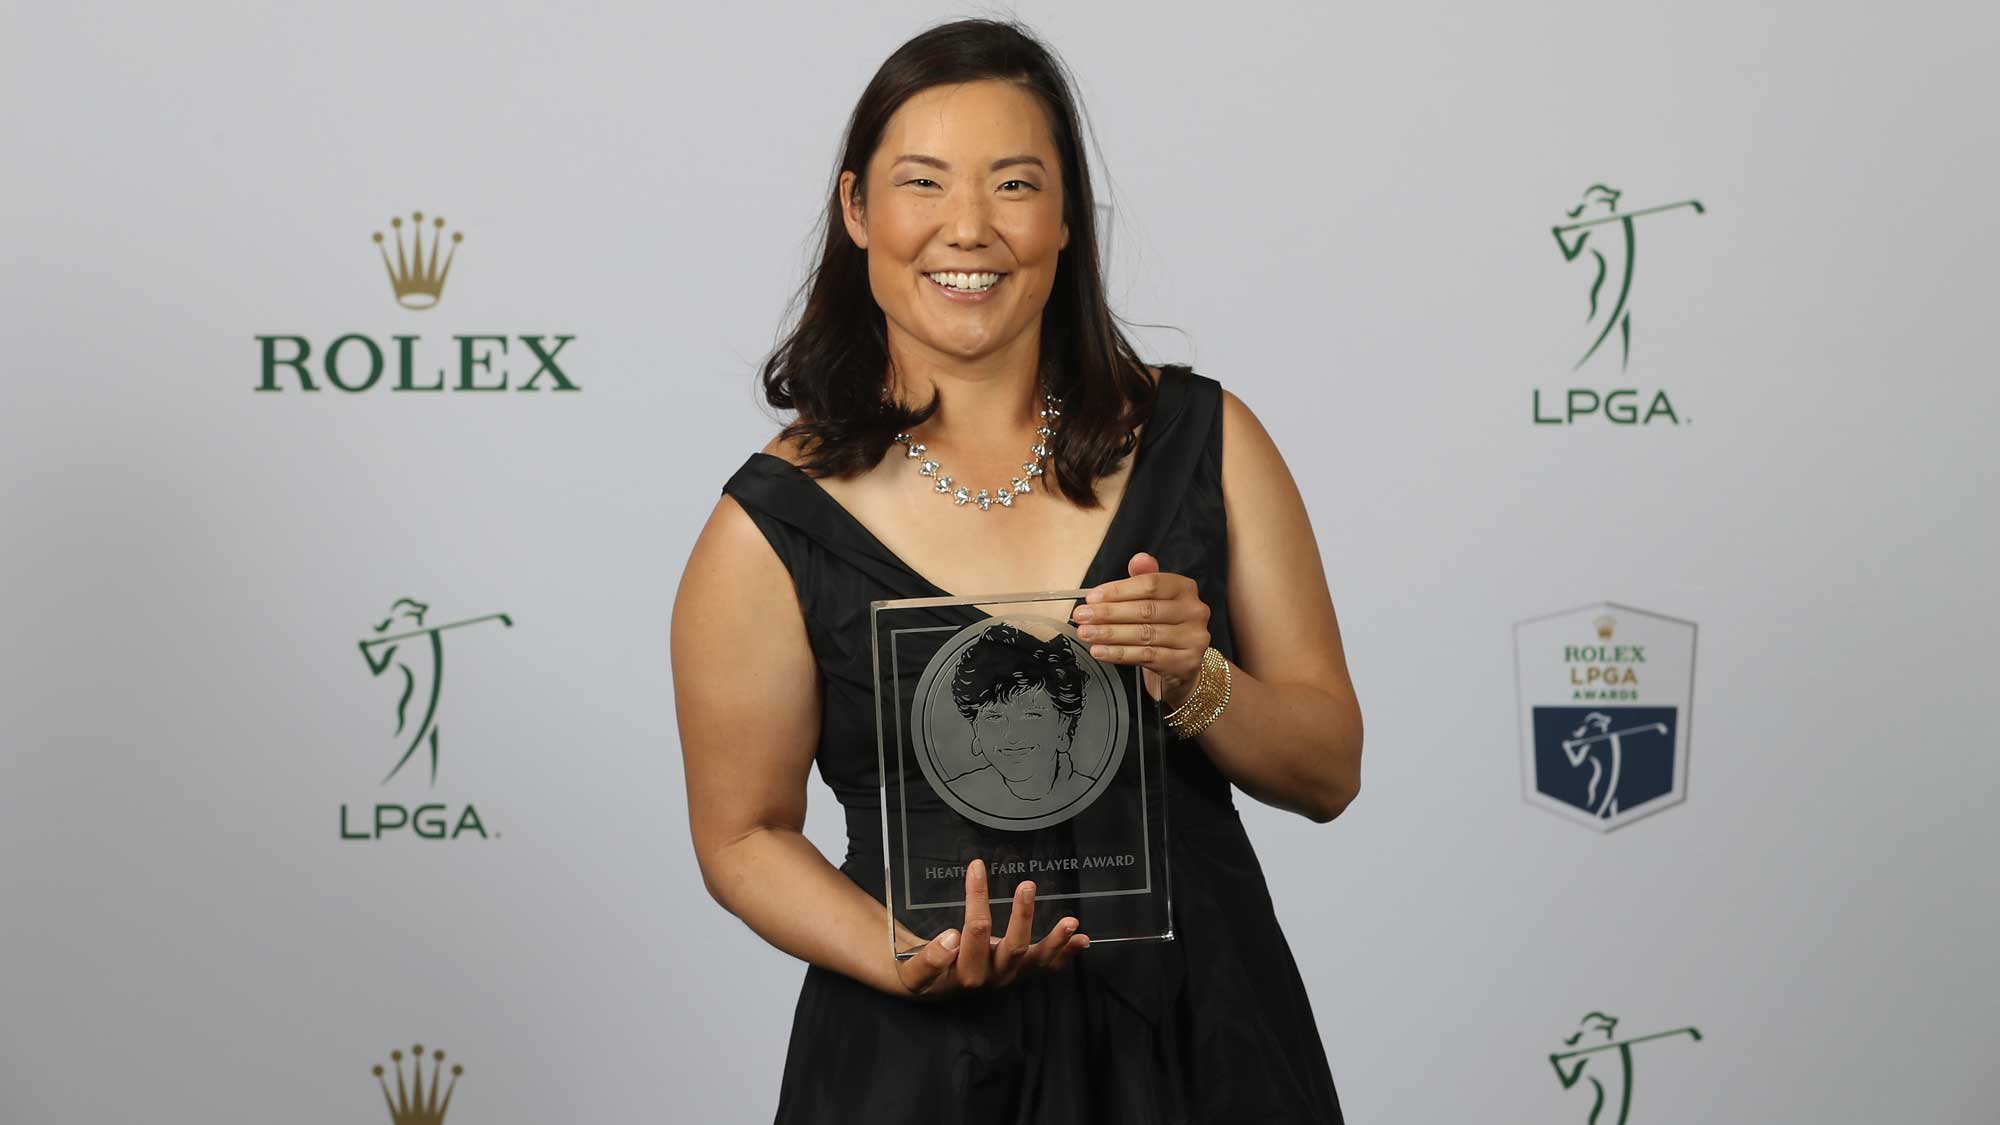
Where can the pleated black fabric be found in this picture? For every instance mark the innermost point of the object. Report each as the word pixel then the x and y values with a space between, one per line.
pixel 1213 1026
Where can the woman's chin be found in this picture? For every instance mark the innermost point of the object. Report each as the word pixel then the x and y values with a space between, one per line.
pixel 967 338
pixel 966 349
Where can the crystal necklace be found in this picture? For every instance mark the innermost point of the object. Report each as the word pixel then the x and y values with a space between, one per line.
pixel 941 482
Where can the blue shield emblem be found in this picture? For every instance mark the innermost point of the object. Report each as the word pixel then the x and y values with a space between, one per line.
pixel 1606 693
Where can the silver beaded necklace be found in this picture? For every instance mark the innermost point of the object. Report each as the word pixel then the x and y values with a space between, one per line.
pixel 942 483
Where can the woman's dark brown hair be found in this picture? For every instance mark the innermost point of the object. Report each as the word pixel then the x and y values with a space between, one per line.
pixel 830 368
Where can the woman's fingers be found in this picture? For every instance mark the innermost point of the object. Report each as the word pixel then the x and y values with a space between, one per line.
pixel 1146 643
pixel 1154 586
pixel 1046 951
pixel 1184 604
pixel 1068 951
pixel 975 956
pixel 1179 661
pixel 971 958
pixel 1007 955
pixel 1188 634
pixel 1153 618
pixel 931 967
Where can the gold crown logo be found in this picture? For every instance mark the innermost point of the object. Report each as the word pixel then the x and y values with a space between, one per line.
pixel 419 282
pixel 1604 626
pixel 411 1104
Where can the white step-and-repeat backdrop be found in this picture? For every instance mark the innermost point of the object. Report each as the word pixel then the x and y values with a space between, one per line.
pixel 1637 361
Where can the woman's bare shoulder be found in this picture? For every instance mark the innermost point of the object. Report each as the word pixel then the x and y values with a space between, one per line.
pixel 1247 446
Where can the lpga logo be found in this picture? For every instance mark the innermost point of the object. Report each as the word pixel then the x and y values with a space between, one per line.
pixel 1589 1065
pixel 409 655
pixel 1605 240
pixel 1595 744
pixel 1606 696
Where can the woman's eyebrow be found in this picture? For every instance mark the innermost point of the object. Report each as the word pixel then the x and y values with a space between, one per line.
pixel 1003 162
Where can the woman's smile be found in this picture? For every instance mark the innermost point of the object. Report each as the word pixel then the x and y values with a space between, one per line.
pixel 966 288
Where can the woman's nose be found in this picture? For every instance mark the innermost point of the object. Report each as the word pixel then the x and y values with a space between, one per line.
pixel 968 228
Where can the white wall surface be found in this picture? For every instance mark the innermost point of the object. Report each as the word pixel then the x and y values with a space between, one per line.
pixel 1345 212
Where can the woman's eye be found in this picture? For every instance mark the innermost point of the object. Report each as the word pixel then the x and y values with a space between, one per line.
pixel 920 182
pixel 1018 184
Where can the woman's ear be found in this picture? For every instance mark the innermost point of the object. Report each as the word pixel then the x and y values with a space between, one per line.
pixel 851 214
pixel 1064 244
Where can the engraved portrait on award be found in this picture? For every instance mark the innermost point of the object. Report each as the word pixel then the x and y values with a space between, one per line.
pixel 1001 738
pixel 1016 732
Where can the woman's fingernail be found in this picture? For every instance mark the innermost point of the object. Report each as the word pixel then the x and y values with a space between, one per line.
pixel 949 940
pixel 1083 613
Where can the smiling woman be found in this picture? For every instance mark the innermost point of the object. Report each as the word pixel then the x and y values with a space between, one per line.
pixel 962 188
pixel 958 311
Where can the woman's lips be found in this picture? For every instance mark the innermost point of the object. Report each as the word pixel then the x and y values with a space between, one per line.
pixel 965 295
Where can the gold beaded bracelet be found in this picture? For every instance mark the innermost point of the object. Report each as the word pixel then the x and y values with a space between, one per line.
pixel 1206 700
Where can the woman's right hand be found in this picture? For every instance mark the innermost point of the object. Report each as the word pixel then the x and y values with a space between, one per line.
pixel 973 958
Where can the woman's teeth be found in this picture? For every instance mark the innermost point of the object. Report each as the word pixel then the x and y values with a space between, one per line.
pixel 966 282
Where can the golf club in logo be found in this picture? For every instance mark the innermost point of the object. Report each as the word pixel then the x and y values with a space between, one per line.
pixel 414 1102
pixel 1606 699
pixel 1604 241
pixel 409 655
pixel 1613 252
pixel 1589 1065
pixel 356 361
pixel 419 672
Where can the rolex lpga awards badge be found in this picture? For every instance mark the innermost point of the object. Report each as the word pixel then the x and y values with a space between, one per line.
pixel 1607 700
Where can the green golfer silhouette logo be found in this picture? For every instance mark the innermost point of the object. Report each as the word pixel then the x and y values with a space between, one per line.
pixel 1608 1077
pixel 1612 256
pixel 419 669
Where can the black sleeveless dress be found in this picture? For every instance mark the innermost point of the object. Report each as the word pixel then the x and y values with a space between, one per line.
pixel 1213 1026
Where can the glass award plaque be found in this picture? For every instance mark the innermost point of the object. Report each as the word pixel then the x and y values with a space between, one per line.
pixel 1001 738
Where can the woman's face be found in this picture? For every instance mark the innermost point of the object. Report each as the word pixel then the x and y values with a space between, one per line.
pixel 1021 736
pixel 965 182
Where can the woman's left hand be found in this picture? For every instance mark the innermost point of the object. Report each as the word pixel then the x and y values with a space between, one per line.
pixel 1153 619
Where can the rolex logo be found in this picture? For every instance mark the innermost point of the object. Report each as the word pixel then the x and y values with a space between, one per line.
pixel 356 361
pixel 411 1104
pixel 1606 625
pixel 419 281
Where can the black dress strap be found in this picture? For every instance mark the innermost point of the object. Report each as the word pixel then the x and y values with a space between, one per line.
pixel 1184 429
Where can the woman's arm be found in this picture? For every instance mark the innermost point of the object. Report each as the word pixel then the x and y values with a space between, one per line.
pixel 746 696
pixel 1291 736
